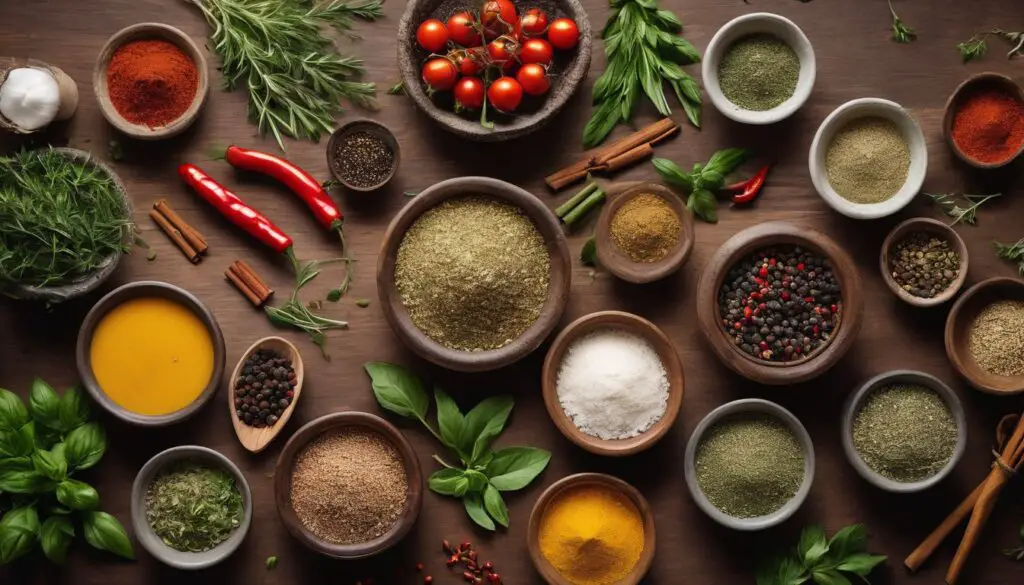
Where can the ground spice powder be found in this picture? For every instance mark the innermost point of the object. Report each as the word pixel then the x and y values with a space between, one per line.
pixel 996 339
pixel 759 72
pixel 989 125
pixel 151 82
pixel 868 160
pixel 592 535
pixel 646 228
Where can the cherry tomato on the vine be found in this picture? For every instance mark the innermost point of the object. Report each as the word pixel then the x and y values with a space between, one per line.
pixel 468 61
pixel 563 33
pixel 534 79
pixel 498 17
pixel 432 35
pixel 534 22
pixel 469 93
pixel 536 51
pixel 440 74
pixel 502 52
pixel 462 29
pixel 505 94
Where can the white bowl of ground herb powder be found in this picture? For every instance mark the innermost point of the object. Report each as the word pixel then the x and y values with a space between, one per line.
pixel 868 158
pixel 759 68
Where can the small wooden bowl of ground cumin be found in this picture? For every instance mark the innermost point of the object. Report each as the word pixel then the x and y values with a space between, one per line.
pixel 348 485
pixel 644 234
pixel 985 335
pixel 924 262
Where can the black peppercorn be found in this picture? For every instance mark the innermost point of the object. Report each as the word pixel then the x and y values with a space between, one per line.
pixel 263 388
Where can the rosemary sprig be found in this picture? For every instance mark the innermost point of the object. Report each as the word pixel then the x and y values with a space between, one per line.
pixel 976 46
pixel 1013 253
pixel 901 33
pixel 644 51
pixel 967 212
pixel 296 79
pixel 295 314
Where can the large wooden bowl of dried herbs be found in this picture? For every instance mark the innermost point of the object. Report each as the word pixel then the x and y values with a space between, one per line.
pixel 65 221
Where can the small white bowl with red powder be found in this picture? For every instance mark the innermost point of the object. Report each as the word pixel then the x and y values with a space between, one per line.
pixel 151 81
pixel 984 121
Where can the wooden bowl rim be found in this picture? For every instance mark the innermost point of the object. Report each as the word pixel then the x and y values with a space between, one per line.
pixel 661 344
pixel 141 289
pixel 772 234
pixel 558 289
pixel 373 127
pixel 326 423
pixel 925 224
pixel 617 262
pixel 953 102
pixel 964 310
pixel 266 435
pixel 548 572
pixel 150 30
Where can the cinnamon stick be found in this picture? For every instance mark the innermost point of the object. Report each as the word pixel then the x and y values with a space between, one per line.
pixel 598 158
pixel 191 235
pixel 242 287
pixel 629 157
pixel 252 280
pixel 175 235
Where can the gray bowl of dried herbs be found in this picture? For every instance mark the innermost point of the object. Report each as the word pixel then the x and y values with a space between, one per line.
pixel 191 507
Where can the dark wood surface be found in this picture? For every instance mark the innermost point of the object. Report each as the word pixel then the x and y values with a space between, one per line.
pixel 855 59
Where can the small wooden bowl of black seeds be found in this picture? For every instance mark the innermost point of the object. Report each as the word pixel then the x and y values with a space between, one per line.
pixel 363 155
pixel 265 386
pixel 923 262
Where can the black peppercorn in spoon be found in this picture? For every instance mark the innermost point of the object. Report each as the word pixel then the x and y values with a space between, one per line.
pixel 264 424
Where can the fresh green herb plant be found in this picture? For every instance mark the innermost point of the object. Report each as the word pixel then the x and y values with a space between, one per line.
pixel 1012 253
pixel 482 474
pixel 588 255
pixel 977 46
pixel 271 563
pixel 703 180
pixel 901 33
pixel 1017 554
pixel 277 49
pixel 966 211
pixel 41 447
pixel 823 561
pixel 397 89
pixel 295 314
pixel 644 51
pixel 60 219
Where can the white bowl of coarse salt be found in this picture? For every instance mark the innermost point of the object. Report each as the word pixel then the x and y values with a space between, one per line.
pixel 612 383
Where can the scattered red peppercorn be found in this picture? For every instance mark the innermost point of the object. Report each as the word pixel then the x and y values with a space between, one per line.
pixel 488 566
pixel 466 545
pixel 419 566
pixel 494 578
pixel 428 579
pixel 468 576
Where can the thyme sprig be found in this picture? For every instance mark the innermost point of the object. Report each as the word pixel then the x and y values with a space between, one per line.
pixel 901 33
pixel 1013 253
pixel 976 46
pixel 277 49
pixel 293 313
pixel 965 212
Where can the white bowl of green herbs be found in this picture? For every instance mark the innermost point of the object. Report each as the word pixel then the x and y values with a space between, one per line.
pixel 67 222
pixel 759 68
pixel 191 507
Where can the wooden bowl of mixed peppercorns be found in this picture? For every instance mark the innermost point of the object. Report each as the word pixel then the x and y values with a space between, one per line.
pixel 779 303
pixel 923 262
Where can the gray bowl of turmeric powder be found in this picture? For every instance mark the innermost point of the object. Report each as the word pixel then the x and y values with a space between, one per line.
pixel 904 431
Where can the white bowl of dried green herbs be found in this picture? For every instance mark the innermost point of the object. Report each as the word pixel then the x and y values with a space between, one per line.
pixel 191 507
pixel 904 431
pixel 759 68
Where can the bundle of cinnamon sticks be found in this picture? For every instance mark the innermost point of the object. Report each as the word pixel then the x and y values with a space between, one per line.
pixel 191 243
pixel 616 155
pixel 248 283
pixel 979 504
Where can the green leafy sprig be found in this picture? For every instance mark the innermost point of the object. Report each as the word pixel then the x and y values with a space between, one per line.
pixel 823 561
pixel 41 447
pixel 483 474
pixel 644 51
pixel 1012 253
pixel 1017 554
pixel 966 211
pixel 976 46
pixel 901 33
pixel 703 180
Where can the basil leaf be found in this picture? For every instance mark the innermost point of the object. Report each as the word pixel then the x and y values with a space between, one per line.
pixel 483 423
pixel 22 481
pixel 55 536
pixel 78 495
pixel 12 411
pixel 861 563
pixel 672 173
pixel 449 421
pixel 588 254
pixel 397 389
pixel 449 482
pixel 513 468
pixel 791 572
pixel 812 546
pixel 85 446
pixel 104 532
pixel 712 180
pixel 830 577
pixel 19 530
pixel 704 205
pixel 495 505
pixel 475 509
pixel 725 161
pixel 51 464
pixel 44 404
pixel 477 480
pixel 73 410
pixel 18 443
pixel 849 540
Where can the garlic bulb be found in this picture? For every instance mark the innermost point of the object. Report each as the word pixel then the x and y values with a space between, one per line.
pixel 29 98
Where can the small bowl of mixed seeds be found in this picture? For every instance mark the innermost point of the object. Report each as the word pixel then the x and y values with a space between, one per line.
pixel 985 335
pixel 363 155
pixel 924 262
pixel 904 431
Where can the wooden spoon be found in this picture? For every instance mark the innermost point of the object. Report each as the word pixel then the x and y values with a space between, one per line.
pixel 252 438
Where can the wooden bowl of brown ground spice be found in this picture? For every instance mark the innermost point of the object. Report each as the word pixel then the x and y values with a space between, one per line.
pixel 330 503
pixel 644 234
pixel 985 336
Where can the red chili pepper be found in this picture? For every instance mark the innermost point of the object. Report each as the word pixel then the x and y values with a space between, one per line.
pixel 235 210
pixel 752 187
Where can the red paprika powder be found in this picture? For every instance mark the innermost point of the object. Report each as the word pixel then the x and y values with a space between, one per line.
pixel 988 126
pixel 151 82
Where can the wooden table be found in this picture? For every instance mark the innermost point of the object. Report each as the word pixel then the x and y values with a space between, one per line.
pixel 856 58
